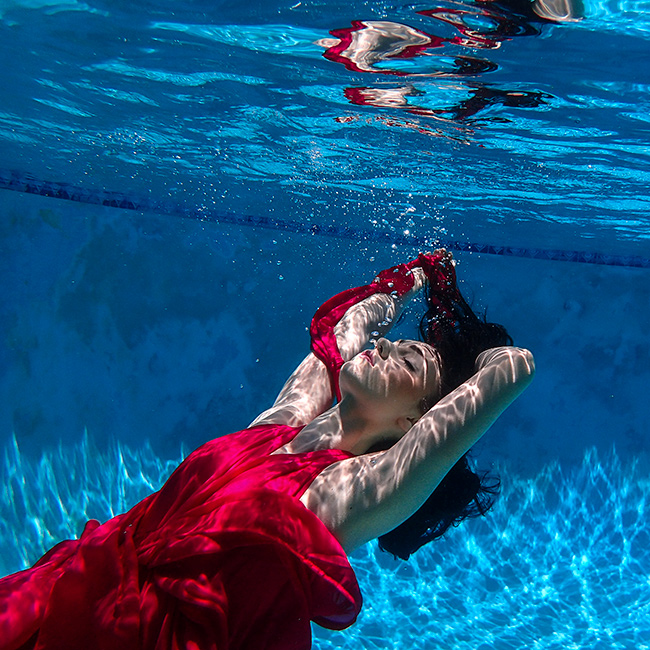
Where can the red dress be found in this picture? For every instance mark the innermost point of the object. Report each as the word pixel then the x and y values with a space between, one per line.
pixel 223 557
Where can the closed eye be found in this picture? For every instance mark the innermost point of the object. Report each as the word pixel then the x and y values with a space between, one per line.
pixel 409 365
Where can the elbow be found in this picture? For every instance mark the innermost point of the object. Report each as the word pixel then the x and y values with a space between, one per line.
pixel 524 365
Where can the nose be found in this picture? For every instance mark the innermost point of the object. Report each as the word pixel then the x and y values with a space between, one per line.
pixel 383 347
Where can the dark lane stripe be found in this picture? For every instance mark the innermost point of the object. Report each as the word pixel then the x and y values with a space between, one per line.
pixel 17 182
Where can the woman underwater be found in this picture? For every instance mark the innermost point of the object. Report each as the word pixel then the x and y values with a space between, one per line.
pixel 246 543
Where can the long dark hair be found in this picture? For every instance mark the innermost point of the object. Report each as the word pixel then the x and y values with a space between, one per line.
pixel 459 336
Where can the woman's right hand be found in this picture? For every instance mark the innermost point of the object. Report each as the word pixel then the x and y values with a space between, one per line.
pixel 374 316
pixel 420 280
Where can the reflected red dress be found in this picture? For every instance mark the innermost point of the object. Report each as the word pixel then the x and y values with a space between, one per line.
pixel 223 557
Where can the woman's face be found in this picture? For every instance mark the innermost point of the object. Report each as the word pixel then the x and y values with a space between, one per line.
pixel 393 378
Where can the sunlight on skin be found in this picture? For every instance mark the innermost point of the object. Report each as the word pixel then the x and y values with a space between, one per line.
pixel 361 498
pixel 382 391
pixel 381 399
pixel 308 392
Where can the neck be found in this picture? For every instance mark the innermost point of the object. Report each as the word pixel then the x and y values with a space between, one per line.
pixel 341 427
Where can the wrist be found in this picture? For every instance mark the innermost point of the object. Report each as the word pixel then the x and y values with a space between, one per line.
pixel 419 279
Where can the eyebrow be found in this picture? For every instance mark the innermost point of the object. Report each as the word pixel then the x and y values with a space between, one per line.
pixel 418 349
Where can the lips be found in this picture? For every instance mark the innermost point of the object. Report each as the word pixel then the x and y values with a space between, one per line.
pixel 367 354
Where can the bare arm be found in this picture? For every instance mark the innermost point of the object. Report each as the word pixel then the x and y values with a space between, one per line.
pixel 308 393
pixel 364 497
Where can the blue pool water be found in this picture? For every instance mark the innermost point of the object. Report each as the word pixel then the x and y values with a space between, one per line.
pixel 182 185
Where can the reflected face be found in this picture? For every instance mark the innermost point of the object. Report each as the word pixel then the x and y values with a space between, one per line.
pixel 393 378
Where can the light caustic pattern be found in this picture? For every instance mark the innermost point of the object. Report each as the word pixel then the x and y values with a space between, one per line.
pixel 42 503
pixel 560 563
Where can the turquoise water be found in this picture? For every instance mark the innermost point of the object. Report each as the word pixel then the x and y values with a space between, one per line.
pixel 216 105
pixel 182 186
pixel 558 564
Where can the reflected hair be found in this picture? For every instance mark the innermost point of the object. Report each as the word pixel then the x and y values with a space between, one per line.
pixel 459 336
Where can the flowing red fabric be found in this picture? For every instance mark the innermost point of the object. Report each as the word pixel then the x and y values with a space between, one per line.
pixel 223 557
pixel 398 281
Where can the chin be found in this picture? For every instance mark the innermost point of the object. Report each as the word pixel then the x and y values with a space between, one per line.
pixel 354 378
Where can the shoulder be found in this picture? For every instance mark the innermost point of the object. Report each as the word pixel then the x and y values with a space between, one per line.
pixel 305 395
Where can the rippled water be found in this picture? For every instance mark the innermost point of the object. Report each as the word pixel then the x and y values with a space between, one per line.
pixel 473 121
pixel 476 120
pixel 561 563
